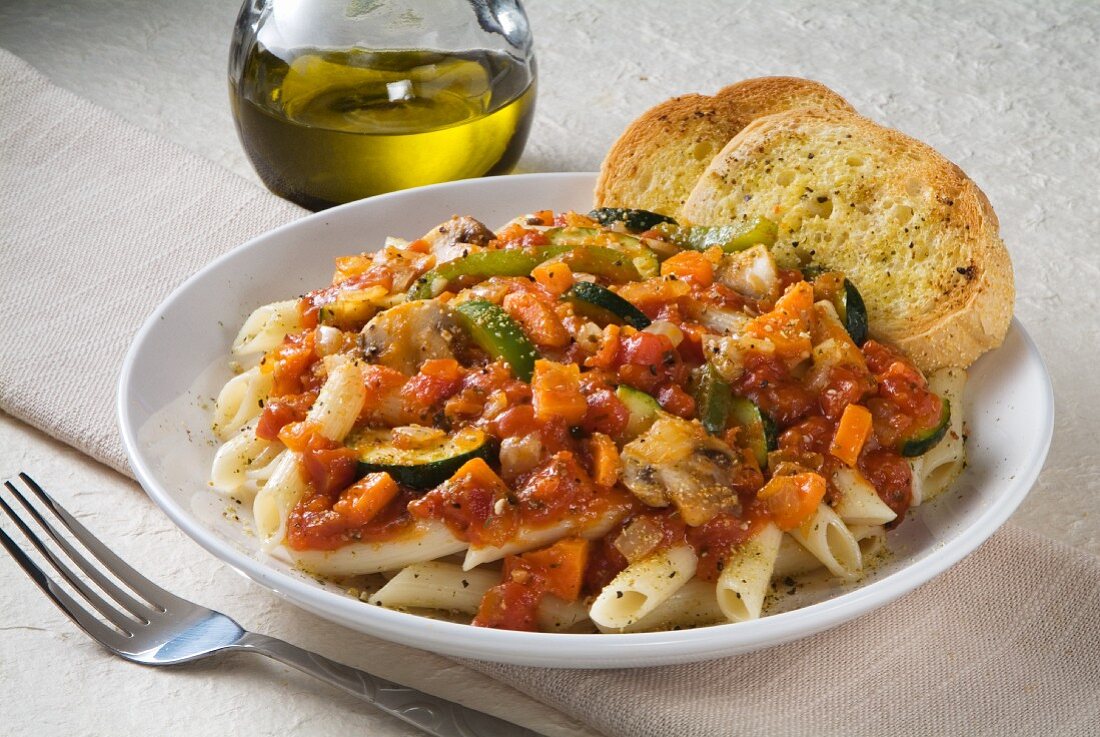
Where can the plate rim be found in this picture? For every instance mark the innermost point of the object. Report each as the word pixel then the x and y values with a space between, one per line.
pixel 551 649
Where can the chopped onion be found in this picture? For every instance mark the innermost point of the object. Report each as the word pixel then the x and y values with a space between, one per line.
pixel 329 340
pixel 667 329
pixel 519 455
pixel 639 539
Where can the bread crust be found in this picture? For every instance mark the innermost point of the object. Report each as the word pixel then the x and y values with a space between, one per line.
pixel 944 308
pixel 657 160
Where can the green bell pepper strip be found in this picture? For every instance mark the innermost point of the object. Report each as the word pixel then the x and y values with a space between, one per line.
pixel 730 238
pixel 499 335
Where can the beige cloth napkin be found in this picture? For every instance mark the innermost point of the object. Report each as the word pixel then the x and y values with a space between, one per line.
pixel 101 220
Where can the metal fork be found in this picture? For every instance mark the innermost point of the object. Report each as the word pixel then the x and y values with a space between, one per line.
pixel 164 629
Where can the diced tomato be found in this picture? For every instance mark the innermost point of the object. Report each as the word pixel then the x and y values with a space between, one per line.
pixel 509 606
pixel 675 400
pixel 892 477
pixel 715 540
pixel 329 470
pixel 437 380
pixel 290 363
pixel 282 411
pixel 606 413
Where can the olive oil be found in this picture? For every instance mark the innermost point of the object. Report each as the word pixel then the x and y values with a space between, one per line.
pixel 327 127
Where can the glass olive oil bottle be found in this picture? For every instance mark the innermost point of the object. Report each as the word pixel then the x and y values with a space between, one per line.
pixel 324 127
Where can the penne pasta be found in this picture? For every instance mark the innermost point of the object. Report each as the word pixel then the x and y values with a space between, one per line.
pixel 692 605
pixel 266 327
pixel 747 573
pixel 939 467
pixel 532 539
pixel 829 540
pixel 642 587
pixel 427 541
pixel 240 402
pixel 859 503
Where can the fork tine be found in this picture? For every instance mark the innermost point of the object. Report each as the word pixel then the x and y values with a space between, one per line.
pixel 145 588
pixel 124 623
pixel 77 613
pixel 140 610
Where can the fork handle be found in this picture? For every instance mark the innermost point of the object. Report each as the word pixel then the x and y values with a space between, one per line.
pixel 434 715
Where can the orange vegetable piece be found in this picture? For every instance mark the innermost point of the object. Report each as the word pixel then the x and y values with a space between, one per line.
pixel 556 390
pixel 560 567
pixel 546 217
pixel 690 266
pixel 851 433
pixel 537 318
pixel 555 276
pixel 787 325
pixel 364 499
pixel 609 349
pixel 478 471
pixel 792 500
pixel 606 463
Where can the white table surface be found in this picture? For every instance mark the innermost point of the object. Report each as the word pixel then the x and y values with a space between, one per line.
pixel 1012 94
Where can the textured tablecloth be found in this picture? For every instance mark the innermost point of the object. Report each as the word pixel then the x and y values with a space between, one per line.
pixel 1010 96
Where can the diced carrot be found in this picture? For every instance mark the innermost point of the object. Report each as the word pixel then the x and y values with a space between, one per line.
pixel 537 318
pixel 606 464
pixel 656 292
pixel 478 471
pixel 555 276
pixel 792 500
pixel 560 566
pixel 851 433
pixel 787 325
pixel 442 368
pixel 609 349
pixel 419 246
pixel 556 392
pixel 361 501
pixel 690 266
pixel 546 217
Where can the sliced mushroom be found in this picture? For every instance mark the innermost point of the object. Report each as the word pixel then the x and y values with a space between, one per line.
pixel 453 238
pixel 676 462
pixel 405 336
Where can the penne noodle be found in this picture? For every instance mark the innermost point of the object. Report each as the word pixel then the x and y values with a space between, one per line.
pixel 267 326
pixel 533 539
pixel 642 586
pixel 939 467
pixel 829 540
pixel 746 575
pixel 859 503
pixel 427 541
pixel 240 401
pixel 692 605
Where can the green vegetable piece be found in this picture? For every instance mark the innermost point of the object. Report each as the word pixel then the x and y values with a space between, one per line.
pixel 499 335
pixel 419 468
pixel 730 238
pixel 853 312
pixel 758 430
pixel 644 260
pixel 643 408
pixel 480 265
pixel 713 399
pixel 923 441
pixel 636 220
pixel 610 263
pixel 604 306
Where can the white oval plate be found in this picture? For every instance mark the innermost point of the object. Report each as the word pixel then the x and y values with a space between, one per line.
pixel 179 360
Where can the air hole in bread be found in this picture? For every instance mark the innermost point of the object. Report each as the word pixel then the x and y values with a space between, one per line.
pixel 819 207
pixel 914 187
pixel 785 178
pixel 854 160
pixel 702 151
pixel 901 214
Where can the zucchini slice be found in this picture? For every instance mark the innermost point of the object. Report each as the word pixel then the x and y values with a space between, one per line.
pixel 480 266
pixel 491 328
pixel 923 441
pixel 714 400
pixel 420 468
pixel 758 430
pixel 604 306
pixel 644 410
pixel 852 312
pixel 636 220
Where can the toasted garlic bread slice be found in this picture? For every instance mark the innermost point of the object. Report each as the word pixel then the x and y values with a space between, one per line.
pixel 907 226
pixel 656 161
